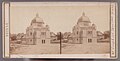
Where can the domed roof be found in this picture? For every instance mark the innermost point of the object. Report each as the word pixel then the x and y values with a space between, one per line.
pixel 83 18
pixel 37 19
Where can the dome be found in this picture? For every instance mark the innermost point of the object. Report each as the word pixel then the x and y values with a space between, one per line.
pixel 83 18
pixel 37 19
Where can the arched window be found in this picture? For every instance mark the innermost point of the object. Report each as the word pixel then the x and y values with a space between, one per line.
pixel 30 33
pixel 77 32
pixel 89 40
pixel 43 33
pixel 89 32
pixel 31 40
pixel 43 41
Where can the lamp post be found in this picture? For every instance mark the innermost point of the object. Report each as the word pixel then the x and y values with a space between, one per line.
pixel 59 37
pixel 60 44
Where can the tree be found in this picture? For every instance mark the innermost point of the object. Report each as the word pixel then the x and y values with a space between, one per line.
pixel 106 34
pixel 13 37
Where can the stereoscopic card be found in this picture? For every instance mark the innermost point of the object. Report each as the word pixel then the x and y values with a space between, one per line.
pixel 60 30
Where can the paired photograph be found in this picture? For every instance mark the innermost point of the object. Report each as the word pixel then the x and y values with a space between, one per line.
pixel 60 29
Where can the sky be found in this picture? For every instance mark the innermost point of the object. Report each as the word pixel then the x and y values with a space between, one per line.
pixel 59 18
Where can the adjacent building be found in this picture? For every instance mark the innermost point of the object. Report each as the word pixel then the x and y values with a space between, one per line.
pixel 84 31
pixel 38 32
pixel 100 36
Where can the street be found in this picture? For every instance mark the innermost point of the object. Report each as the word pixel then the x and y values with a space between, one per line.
pixel 67 48
pixel 38 49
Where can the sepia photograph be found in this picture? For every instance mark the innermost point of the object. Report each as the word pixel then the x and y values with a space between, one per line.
pixel 62 28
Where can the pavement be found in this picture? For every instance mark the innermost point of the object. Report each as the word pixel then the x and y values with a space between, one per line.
pixel 94 48
pixel 38 49
pixel 67 48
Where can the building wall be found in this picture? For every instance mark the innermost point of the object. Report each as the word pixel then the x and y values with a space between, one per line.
pixel 37 32
pixel 42 41
pixel 84 34
pixel 37 36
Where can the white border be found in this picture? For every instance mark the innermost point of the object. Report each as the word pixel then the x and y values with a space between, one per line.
pixel 101 56
pixel 21 4
pixel 13 4
pixel 113 30
pixel 6 30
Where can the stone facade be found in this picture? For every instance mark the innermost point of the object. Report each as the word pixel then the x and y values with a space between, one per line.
pixel 84 31
pixel 38 32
